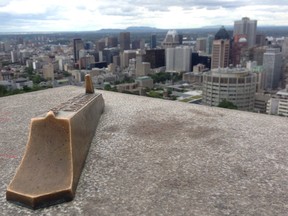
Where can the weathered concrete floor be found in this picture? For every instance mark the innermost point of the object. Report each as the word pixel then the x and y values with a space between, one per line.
pixel 157 157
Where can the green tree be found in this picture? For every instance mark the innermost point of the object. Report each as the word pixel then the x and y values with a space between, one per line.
pixel 227 104
pixel 3 91
pixel 66 74
pixel 107 87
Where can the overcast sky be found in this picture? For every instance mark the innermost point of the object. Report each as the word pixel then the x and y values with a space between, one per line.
pixel 78 15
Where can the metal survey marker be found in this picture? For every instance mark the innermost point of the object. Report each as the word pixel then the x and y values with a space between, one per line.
pixel 56 150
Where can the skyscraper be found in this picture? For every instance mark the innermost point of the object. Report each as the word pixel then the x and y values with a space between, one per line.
pixel 171 39
pixel 178 59
pixel 156 57
pixel 239 46
pixel 201 44
pixel 272 64
pixel 153 42
pixel 77 46
pixel 247 27
pixel 221 49
pixel 124 40
pixel 209 44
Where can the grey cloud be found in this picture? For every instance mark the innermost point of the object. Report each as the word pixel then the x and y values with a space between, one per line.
pixel 160 5
pixel 118 11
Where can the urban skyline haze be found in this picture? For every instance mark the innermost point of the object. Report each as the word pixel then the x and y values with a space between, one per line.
pixel 89 15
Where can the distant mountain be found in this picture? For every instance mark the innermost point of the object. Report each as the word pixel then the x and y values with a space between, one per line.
pixel 132 29
pixel 109 30
pixel 142 29
pixel 268 30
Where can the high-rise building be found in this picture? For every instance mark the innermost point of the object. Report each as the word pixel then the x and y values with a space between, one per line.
pixel 178 59
pixel 153 41
pixel 220 53
pixel 201 44
pixel 221 49
pixel 248 27
pixel 272 64
pixel 239 46
pixel 124 40
pixel 209 44
pixel 77 46
pixel 62 62
pixel 100 45
pixel 126 56
pixel 261 40
pixel 111 42
pixel 200 59
pixel 285 48
pixel 156 57
pixel 14 56
pixel 171 39
pixel 108 54
pixel 86 62
pixel 236 85
pixel 138 44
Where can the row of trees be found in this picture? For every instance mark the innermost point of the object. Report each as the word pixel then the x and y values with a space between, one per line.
pixel 4 92
pixel 28 73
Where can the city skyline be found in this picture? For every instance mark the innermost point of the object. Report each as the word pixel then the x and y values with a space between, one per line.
pixel 75 15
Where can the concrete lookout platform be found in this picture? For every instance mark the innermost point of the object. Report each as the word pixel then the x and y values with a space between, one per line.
pixel 157 157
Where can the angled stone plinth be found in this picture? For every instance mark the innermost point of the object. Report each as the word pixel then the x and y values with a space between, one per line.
pixel 56 151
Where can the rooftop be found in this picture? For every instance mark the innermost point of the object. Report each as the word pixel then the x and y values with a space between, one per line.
pixel 222 34
pixel 157 157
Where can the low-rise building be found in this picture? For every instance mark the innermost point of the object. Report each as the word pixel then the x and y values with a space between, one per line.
pixel 278 104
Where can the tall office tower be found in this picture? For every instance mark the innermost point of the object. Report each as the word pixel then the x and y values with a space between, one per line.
pixel 116 60
pixel 209 44
pixel 239 45
pixel 178 59
pixel 62 62
pixel 126 56
pixel 272 65
pixel 220 49
pixel 138 44
pixel 236 85
pixel 153 41
pixel 111 42
pixel 201 44
pixel 108 54
pixel 156 58
pixel 200 59
pixel 2 47
pixel 88 45
pixel 14 56
pixel 77 46
pixel 86 62
pixel 171 39
pixel 285 48
pixel 100 45
pixel 124 40
pixel 180 36
pixel 248 27
pixel 261 40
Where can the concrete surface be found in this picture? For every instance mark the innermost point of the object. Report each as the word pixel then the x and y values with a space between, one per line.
pixel 157 157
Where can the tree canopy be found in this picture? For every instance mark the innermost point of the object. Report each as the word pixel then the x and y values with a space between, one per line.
pixel 227 104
